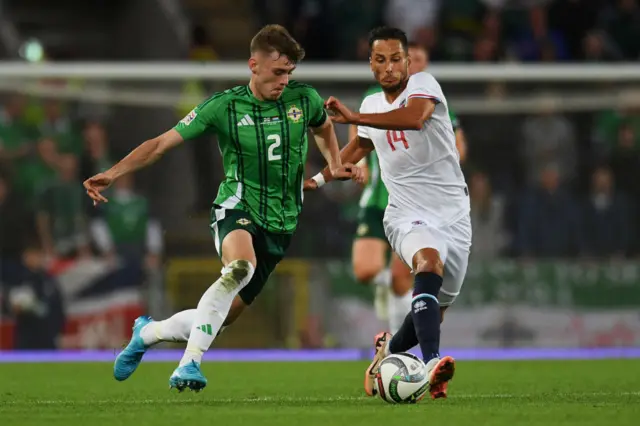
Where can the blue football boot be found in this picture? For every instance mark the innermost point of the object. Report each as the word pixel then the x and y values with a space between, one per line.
pixel 130 357
pixel 188 376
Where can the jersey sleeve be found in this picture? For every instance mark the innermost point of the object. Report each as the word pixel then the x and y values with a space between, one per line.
pixel 318 115
pixel 423 85
pixel 363 131
pixel 200 120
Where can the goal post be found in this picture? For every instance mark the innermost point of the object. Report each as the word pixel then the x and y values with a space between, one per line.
pixel 524 88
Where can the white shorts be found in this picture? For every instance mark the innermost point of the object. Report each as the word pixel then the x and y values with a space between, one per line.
pixel 408 235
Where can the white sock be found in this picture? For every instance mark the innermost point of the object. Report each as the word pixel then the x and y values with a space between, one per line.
pixel 174 329
pixel 398 308
pixel 383 278
pixel 214 307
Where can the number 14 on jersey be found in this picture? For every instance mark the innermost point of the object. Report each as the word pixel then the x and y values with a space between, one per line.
pixel 396 136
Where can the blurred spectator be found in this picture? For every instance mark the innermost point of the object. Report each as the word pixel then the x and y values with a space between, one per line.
pixel 621 20
pixel 60 214
pixel 549 139
pixel 599 48
pixel 526 31
pixel 487 219
pixel 625 161
pixel 96 157
pixel 548 223
pixel 35 302
pixel 606 225
pixel 608 123
pixel 352 21
pixel 415 17
pixel 201 50
pixel 574 18
pixel 38 172
pixel 126 228
pixel 16 136
pixel 485 49
pixel 58 126
pixel 15 223
pixel 461 23
pixel 313 28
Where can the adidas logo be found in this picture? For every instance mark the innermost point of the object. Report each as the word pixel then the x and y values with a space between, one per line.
pixel 206 328
pixel 246 121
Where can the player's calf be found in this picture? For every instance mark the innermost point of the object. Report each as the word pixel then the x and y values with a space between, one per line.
pixel 400 295
pixel 425 307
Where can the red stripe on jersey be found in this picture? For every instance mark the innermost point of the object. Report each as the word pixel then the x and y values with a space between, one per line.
pixel 422 95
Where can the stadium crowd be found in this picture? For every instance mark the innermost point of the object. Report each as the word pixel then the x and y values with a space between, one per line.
pixel 46 221
pixel 538 182
pixel 468 30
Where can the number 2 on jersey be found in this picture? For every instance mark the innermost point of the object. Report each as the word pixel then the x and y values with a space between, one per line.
pixel 272 156
pixel 395 136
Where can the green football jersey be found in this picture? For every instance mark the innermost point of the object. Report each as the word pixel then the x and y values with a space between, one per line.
pixel 375 194
pixel 264 149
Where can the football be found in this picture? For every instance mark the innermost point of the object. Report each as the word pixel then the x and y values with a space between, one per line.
pixel 402 379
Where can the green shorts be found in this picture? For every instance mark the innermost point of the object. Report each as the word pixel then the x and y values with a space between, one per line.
pixel 370 223
pixel 269 247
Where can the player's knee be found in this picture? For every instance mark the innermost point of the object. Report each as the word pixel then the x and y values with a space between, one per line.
pixel 428 260
pixel 240 271
pixel 365 272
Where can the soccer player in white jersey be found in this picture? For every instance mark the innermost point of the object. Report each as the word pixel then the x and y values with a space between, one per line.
pixel 427 219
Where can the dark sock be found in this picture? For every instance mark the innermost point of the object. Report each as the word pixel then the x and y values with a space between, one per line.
pixel 405 338
pixel 425 311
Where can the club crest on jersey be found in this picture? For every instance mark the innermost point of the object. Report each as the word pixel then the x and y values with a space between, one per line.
pixel 243 222
pixel 189 117
pixel 294 113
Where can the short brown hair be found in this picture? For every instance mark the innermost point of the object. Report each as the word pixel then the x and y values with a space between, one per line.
pixel 276 38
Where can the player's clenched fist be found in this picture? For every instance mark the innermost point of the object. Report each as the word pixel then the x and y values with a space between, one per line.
pixel 341 114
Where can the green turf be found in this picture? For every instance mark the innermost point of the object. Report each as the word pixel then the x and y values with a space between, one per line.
pixel 548 393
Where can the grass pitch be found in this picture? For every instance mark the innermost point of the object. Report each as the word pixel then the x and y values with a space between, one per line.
pixel 548 393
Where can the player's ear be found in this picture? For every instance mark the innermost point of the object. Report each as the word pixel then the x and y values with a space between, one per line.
pixel 253 65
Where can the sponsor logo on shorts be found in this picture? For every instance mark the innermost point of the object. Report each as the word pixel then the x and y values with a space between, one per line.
pixel 362 229
pixel 243 222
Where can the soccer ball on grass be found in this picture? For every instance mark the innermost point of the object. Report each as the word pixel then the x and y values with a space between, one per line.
pixel 402 379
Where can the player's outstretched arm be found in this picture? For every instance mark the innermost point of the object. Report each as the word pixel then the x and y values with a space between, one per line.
pixel 327 142
pixel 357 149
pixel 144 155
pixel 411 117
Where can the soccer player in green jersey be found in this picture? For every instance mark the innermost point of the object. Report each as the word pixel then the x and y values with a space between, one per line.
pixel 262 132
pixel 370 247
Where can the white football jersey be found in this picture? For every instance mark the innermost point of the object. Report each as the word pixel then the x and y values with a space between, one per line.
pixel 420 168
